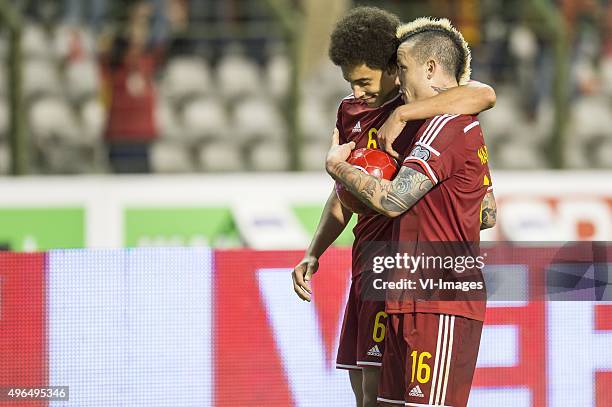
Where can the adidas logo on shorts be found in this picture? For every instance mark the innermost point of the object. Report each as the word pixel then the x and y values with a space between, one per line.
pixel 416 392
pixel 374 351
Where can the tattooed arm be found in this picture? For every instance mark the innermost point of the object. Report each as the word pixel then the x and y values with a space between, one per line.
pixel 488 211
pixel 472 98
pixel 390 198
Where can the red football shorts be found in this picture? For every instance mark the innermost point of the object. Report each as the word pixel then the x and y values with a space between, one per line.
pixel 363 329
pixel 429 360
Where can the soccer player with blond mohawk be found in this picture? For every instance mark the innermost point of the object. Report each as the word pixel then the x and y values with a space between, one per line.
pixel 431 345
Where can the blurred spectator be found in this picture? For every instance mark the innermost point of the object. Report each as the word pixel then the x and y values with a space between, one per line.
pixel 128 72
pixel 515 48
pixel 176 29
pixel 90 13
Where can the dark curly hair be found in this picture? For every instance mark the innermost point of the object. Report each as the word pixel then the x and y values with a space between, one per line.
pixel 365 35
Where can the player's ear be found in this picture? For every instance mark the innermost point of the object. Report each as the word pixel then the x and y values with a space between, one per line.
pixel 430 68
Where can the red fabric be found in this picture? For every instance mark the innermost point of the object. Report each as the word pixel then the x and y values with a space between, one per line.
pixel 422 349
pixel 132 99
pixel 370 228
pixel 450 150
pixel 451 210
pixel 363 332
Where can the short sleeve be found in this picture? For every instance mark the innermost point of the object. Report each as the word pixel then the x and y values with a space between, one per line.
pixel 474 131
pixel 438 151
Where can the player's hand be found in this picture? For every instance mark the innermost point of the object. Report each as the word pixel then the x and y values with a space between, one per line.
pixel 389 131
pixel 338 152
pixel 302 273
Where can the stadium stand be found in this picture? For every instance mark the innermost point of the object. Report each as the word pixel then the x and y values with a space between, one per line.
pixel 216 97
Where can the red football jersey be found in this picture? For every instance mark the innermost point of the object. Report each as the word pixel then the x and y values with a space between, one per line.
pixel 450 150
pixel 358 122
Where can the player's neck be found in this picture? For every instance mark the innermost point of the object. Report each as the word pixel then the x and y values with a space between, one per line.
pixel 441 86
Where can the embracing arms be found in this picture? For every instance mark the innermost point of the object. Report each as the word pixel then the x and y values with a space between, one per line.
pixel 472 98
pixel 390 198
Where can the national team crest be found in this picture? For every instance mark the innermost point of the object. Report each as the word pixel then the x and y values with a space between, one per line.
pixel 420 152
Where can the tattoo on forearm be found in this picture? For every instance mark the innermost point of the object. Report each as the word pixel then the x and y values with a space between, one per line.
pixel 402 186
pixel 406 189
pixel 439 89
pixel 489 211
pixel 369 188
pixel 360 184
pixel 389 197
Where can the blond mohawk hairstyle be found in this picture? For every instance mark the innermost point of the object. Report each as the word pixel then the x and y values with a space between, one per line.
pixel 427 24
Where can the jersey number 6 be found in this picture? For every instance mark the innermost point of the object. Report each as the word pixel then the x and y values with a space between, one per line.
pixel 371 138
pixel 378 334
